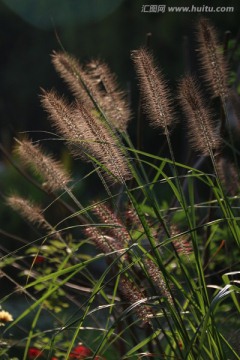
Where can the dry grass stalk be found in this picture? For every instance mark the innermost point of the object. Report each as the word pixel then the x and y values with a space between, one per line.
pixel 214 67
pixel 50 170
pixel 203 134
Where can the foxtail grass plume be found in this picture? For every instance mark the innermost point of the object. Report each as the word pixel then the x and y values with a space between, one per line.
pixel 105 243
pixel 157 278
pixel 87 136
pixel 154 92
pixel 214 67
pixel 132 219
pixel 74 75
pixel 29 211
pixel 181 242
pixel 228 175
pixel 66 123
pixel 50 170
pixel 115 226
pixel 96 87
pixel 203 134
pixel 136 297
pixel 110 98
pixel 101 144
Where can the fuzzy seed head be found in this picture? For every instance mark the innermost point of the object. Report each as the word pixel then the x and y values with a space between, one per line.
pixel 214 67
pixel 228 175
pixel 50 170
pixel 203 135
pixel 28 210
pixel 105 243
pixel 87 136
pixel 157 278
pixel 111 100
pixel 95 86
pixel 181 243
pixel 154 92
pixel 74 75
pixel 116 227
pixel 100 143
pixel 134 295
pixel 63 116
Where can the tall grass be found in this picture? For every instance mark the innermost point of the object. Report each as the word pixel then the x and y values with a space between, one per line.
pixel 150 268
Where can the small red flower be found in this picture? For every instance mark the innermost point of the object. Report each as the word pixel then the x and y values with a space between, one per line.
pixel 54 358
pixel 39 259
pixel 80 352
pixel 34 353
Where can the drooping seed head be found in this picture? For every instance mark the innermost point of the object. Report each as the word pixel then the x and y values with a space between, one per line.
pixel 28 210
pixel 54 175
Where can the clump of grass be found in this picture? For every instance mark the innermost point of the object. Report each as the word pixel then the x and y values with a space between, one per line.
pixel 130 273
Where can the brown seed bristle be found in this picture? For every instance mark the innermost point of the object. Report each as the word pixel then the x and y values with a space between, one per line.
pixel 85 85
pixel 134 295
pixel 203 135
pixel 228 175
pixel 51 171
pixel 115 228
pixel 154 91
pixel 28 210
pixel 157 278
pixel 86 136
pixel 74 75
pixel 101 144
pixel 214 67
pixel 64 120
pixel 181 243
pixel 111 99
pixel 105 243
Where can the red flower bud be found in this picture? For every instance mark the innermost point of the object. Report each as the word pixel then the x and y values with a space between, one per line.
pixel 80 352
pixel 34 353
